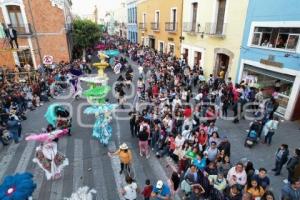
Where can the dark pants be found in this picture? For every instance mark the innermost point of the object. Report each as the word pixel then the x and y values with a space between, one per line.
pixel 123 166
pixel 14 135
pixel 11 42
pixel 132 129
pixel 278 166
pixel 268 137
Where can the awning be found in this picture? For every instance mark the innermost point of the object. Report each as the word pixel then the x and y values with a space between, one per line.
pixel 276 75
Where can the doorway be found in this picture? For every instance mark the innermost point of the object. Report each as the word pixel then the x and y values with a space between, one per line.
pixel 152 43
pixel 197 58
pixel 186 56
pixel 221 66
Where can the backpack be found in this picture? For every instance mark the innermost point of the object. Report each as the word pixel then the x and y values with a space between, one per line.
pixel 143 135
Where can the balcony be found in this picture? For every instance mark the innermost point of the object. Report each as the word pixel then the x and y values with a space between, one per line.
pixel 171 27
pixel 216 29
pixel 22 30
pixel 69 27
pixel 191 27
pixel 155 26
pixel 142 26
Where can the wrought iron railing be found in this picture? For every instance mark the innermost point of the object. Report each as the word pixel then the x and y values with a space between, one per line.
pixel 22 30
pixel 154 26
pixel 142 26
pixel 171 26
pixel 216 29
pixel 191 27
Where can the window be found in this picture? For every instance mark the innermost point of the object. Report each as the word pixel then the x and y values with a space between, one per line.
pixel 173 19
pixel 144 18
pixel 25 57
pixel 15 16
pixel 292 42
pixel 157 17
pixel 278 38
pixel 220 16
pixel 194 16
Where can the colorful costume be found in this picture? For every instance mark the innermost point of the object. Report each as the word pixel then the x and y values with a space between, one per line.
pixel 47 156
pixel 50 160
pixel 18 187
pixel 83 193
pixel 102 129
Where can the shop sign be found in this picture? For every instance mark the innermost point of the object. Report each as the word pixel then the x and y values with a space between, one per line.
pixel 171 39
pixel 271 61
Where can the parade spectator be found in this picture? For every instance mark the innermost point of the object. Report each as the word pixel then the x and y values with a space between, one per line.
pixel 254 188
pixel 130 190
pixel 237 175
pixel 269 129
pixel 147 190
pixel 218 181
pixel 262 178
pixel 161 191
pixel 13 126
pixel 291 191
pixel 293 164
pixel 281 157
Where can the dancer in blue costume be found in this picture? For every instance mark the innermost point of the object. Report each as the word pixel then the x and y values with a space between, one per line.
pixel 102 129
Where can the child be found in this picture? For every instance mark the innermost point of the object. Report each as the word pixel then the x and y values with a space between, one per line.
pixel 147 190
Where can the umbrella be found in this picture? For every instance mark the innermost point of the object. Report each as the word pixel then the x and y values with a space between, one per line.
pixel 17 187
pixel 100 109
pixel 53 111
pixel 44 137
pixel 111 53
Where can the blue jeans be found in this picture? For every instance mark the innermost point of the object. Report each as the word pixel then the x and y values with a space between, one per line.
pixel 15 136
pixel 268 137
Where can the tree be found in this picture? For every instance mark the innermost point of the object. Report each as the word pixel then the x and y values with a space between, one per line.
pixel 85 34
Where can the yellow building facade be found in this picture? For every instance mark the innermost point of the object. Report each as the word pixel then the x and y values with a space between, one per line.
pixel 213 31
pixel 160 24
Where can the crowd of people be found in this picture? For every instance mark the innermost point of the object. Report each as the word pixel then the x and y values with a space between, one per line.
pixel 21 93
pixel 179 122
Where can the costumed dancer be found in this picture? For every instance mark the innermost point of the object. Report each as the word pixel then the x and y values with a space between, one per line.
pixel 47 157
pixel 83 193
pixel 102 129
pixel 59 117
pixel 17 187
pixel 77 90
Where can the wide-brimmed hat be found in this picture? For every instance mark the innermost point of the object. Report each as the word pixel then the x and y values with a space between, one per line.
pixel 159 184
pixel 123 146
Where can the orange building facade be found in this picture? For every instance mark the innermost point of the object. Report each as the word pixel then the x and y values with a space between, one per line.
pixel 43 28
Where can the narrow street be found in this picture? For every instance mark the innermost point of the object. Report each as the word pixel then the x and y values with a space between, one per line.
pixel 91 166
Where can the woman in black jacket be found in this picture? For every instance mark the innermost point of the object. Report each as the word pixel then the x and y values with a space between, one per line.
pixel 282 155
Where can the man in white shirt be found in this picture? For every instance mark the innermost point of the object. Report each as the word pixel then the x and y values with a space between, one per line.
pixel 237 175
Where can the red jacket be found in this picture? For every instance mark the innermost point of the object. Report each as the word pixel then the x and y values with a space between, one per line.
pixel 147 191
pixel 187 112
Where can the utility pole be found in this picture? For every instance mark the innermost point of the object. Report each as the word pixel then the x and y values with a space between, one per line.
pixel 96 14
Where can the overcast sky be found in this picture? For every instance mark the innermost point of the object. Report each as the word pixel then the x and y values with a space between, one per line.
pixel 86 7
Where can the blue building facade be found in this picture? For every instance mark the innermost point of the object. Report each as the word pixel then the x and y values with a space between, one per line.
pixel 132 27
pixel 270 53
